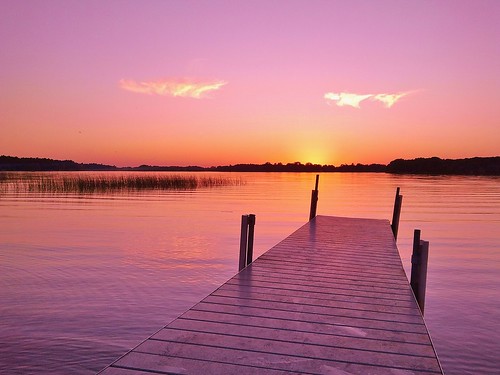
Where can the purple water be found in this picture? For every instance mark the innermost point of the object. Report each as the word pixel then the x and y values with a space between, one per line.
pixel 85 278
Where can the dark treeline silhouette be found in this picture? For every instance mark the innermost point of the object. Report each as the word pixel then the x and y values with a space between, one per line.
pixel 472 166
pixel 299 167
pixel 12 163
pixel 154 168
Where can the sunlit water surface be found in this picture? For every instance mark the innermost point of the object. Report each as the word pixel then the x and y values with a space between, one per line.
pixel 85 278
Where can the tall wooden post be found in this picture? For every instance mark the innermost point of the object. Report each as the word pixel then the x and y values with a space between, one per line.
pixel 243 242
pixel 398 201
pixel 314 200
pixel 246 240
pixel 419 260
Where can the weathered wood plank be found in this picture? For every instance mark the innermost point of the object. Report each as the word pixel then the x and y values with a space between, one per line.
pixel 334 289
pixel 160 355
pixel 319 284
pixel 346 320
pixel 332 298
pixel 312 309
pixel 333 301
pixel 160 343
pixel 173 365
pixel 270 290
pixel 318 338
pixel 129 371
pixel 308 326
pixel 331 276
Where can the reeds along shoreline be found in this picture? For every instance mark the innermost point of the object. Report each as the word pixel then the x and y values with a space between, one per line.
pixel 87 184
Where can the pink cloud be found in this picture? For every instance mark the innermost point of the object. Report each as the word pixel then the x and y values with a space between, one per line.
pixel 343 98
pixel 354 100
pixel 389 99
pixel 175 87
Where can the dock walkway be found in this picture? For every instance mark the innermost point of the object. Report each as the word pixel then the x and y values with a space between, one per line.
pixel 332 298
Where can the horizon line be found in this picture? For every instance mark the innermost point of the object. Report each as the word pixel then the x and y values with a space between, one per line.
pixel 241 164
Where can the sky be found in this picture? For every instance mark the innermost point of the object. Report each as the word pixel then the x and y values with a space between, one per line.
pixel 166 82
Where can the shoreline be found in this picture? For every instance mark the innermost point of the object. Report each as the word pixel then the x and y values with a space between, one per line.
pixel 477 166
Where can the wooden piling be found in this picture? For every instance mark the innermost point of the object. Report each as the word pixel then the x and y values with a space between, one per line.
pixel 396 213
pixel 314 200
pixel 243 242
pixel 419 261
pixel 246 240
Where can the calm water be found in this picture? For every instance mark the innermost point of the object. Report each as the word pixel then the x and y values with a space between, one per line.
pixel 84 278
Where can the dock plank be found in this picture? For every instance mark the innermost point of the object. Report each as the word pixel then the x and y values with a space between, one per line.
pixel 346 340
pixel 332 298
pixel 308 326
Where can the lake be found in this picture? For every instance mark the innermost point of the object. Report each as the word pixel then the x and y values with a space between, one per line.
pixel 86 277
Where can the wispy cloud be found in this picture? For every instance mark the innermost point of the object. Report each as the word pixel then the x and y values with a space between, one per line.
pixel 354 100
pixel 184 88
pixel 389 99
pixel 343 98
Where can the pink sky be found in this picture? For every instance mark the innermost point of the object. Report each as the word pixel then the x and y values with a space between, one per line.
pixel 224 82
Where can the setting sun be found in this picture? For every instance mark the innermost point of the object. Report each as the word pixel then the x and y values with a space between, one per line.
pixel 315 155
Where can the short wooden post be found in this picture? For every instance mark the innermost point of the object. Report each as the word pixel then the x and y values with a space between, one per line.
pixel 251 227
pixel 419 260
pixel 243 242
pixel 398 201
pixel 246 240
pixel 314 200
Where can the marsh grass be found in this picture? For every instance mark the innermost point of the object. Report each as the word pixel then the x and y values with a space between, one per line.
pixel 107 183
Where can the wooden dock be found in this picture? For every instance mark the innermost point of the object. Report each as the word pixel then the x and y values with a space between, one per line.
pixel 332 298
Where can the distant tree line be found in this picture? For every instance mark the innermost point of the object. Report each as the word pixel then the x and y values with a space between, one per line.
pixel 12 163
pixel 299 167
pixel 154 168
pixel 472 166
